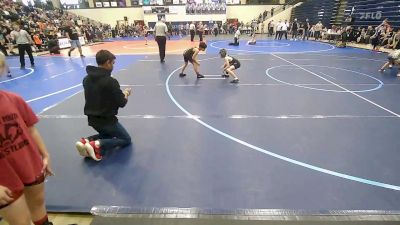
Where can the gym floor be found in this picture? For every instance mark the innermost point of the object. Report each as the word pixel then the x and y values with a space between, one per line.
pixel 309 127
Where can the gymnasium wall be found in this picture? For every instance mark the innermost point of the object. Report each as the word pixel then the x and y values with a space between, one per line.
pixel 284 15
pixel 244 13
pixel 110 15
pixel 182 16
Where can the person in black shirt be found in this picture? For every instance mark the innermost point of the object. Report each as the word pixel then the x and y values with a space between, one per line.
pixel 103 98
pixel 2 44
pixel 294 29
pixel 307 28
pixel 190 55
pixel 52 45
pixel 73 35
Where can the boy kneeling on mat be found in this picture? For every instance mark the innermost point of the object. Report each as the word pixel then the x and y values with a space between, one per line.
pixel 190 55
pixel 103 99
pixel 230 65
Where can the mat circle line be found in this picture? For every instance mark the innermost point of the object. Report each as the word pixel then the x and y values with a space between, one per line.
pixel 266 152
pixel 379 84
pixel 19 77
pixel 153 52
pixel 140 48
pixel 212 44
pixel 271 46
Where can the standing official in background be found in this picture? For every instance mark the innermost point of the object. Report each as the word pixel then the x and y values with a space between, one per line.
pixel 192 28
pixel 24 42
pixel 200 31
pixel 161 31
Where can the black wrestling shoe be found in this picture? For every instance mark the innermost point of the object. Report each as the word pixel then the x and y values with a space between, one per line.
pixel 182 75
pixel 199 76
pixel 235 81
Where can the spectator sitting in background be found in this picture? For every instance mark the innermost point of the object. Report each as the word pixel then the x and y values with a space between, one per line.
pixel 52 45
pixel 369 33
pixel 394 41
pixel 388 35
pixel 38 41
pixel 361 38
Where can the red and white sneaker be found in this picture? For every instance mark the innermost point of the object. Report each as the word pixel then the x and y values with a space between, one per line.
pixel 93 150
pixel 80 146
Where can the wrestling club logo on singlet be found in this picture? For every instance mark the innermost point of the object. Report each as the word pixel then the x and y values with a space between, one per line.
pixel 10 135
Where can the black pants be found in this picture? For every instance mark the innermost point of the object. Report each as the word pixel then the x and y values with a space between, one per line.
pixel 294 34
pixel 284 33
pixel 161 41
pixel 21 50
pixel 235 42
pixel 215 31
pixel 317 34
pixel 271 31
pixel 306 34
pixel 192 33
pixel 54 50
pixel 277 34
pixel 3 49
pixel 201 36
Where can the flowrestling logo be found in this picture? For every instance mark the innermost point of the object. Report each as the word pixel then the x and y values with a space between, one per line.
pixel 371 15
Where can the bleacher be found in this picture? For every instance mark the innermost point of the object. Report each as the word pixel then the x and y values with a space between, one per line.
pixel 373 12
pixel 316 10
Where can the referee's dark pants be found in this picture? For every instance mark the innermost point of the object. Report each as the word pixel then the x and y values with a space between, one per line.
pixel 161 41
pixel 21 49
pixel 192 33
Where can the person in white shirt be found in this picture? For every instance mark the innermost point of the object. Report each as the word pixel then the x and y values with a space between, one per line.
pixel 317 29
pixel 187 28
pixel 161 31
pixel 24 42
pixel 215 29
pixel 278 32
pixel 285 26
pixel 200 30
pixel 236 38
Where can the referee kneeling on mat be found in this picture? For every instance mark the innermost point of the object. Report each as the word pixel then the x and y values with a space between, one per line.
pixel 161 31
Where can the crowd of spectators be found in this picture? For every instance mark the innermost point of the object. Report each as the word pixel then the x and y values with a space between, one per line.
pixel 206 8
pixel 382 36
pixel 44 26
